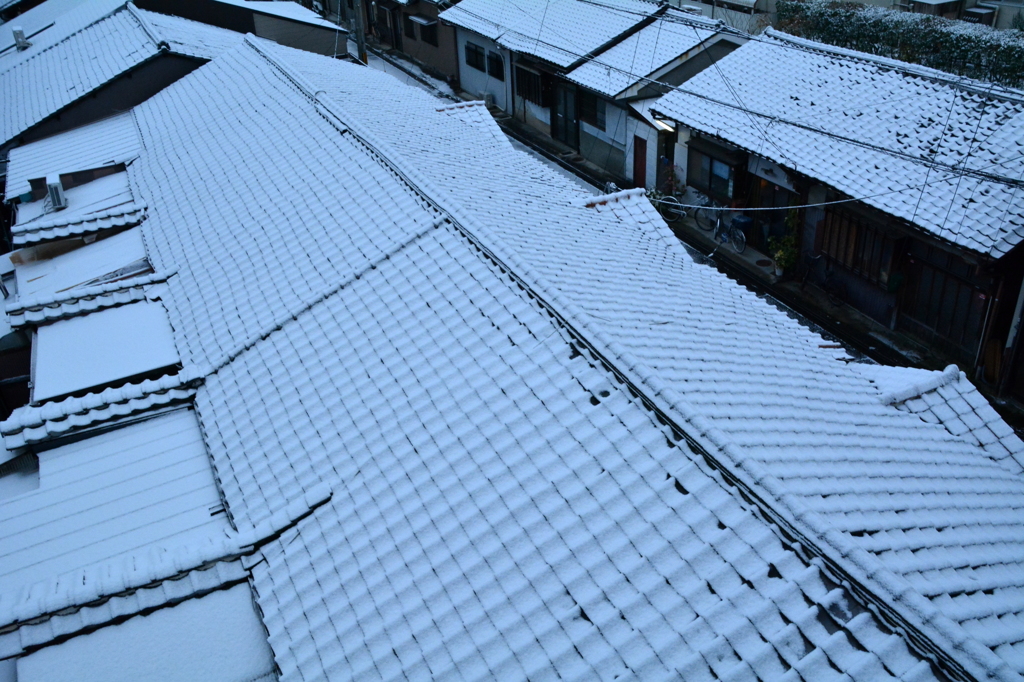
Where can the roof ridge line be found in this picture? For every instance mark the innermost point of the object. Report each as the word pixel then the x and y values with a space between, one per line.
pixel 212 367
pixel 973 85
pixel 936 381
pixel 150 31
pixel 786 513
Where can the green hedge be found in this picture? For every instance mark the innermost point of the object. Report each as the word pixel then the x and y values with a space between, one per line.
pixel 954 46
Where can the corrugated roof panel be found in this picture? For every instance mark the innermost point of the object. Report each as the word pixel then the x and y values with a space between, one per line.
pixel 148 484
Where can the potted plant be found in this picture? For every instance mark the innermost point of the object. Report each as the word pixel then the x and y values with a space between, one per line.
pixel 784 250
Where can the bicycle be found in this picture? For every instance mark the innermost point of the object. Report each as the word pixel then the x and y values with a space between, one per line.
pixel 711 216
pixel 834 290
pixel 668 199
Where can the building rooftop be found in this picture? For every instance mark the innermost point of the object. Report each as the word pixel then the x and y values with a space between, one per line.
pixel 467 419
pixel 941 152
pixel 644 53
pixel 561 32
pixel 86 48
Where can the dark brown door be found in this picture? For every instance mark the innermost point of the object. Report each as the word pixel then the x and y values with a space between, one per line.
pixel 639 161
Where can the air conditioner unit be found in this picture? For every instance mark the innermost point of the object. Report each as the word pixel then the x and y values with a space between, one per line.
pixel 55 192
pixel 20 40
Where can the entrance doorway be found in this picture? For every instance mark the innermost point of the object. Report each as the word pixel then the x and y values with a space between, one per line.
pixel 563 115
pixel 639 161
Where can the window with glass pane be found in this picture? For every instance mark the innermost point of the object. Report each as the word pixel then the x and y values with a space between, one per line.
pixel 711 176
pixel 592 109
pixel 428 33
pixel 475 57
pixel 528 86
pixel 495 66
pixel 410 27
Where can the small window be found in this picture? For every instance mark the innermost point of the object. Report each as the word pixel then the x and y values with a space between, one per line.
pixel 528 86
pixel 428 33
pixel 592 109
pixel 475 57
pixel 409 26
pixel 711 176
pixel 495 66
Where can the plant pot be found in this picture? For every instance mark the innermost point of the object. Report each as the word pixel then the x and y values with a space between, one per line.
pixel 778 271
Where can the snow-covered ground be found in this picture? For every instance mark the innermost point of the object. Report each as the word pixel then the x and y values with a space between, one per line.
pixel 432 85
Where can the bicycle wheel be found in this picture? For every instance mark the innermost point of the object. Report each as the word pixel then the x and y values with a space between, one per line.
pixel 706 216
pixel 738 240
pixel 670 208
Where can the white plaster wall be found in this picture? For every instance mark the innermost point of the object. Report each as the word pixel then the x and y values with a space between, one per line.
pixel 477 82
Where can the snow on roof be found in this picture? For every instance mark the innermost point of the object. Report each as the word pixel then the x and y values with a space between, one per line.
pixel 359 287
pixel 786 413
pixel 948 398
pixel 34 311
pixel 285 9
pixel 102 204
pixel 108 44
pixel 557 31
pixel 505 500
pixel 476 114
pixel 645 52
pixel 105 347
pixel 215 638
pixel 894 135
pixel 109 142
pixel 48 23
pixel 82 266
pixel 111 495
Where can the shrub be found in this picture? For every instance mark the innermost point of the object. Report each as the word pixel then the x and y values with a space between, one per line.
pixel 954 46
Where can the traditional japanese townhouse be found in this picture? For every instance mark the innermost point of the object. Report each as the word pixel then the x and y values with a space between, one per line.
pixel 913 177
pixel 617 87
pixel 583 73
pixel 412 28
pixel 379 397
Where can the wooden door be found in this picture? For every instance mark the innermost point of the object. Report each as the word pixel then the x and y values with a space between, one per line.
pixel 639 161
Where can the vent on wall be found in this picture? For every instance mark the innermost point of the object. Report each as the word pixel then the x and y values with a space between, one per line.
pixel 55 192
pixel 19 38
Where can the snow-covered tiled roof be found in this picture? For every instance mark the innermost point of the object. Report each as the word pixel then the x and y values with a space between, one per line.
pixel 558 31
pixel 948 398
pixel 785 413
pixel 50 22
pixel 940 152
pixel 39 84
pixel 476 113
pixel 645 52
pixel 556 444
pixel 108 142
pixel 456 538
